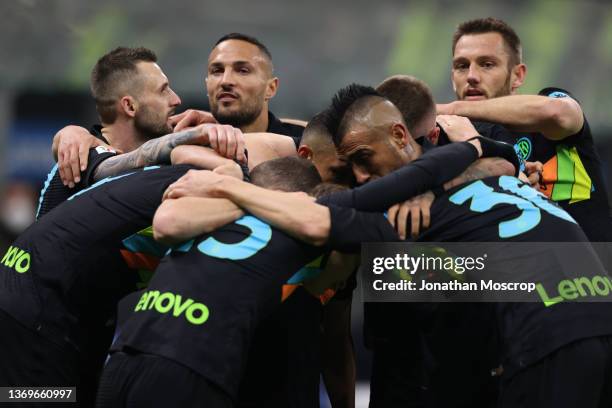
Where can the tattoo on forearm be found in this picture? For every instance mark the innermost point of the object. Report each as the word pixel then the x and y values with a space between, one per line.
pixel 478 170
pixel 154 151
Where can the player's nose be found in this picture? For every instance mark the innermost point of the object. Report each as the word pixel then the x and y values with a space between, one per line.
pixel 227 80
pixel 362 176
pixel 175 100
pixel 473 75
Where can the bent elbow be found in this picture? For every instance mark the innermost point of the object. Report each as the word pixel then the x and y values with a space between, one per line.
pixel 164 230
pixel 564 116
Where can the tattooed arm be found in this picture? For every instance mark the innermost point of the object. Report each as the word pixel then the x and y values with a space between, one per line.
pixel 488 167
pixel 157 151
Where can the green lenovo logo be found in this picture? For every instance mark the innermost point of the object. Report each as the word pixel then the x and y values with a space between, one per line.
pixel 573 289
pixel 17 259
pixel 166 302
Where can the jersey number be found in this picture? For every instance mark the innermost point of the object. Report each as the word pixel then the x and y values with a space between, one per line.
pixel 261 233
pixel 528 200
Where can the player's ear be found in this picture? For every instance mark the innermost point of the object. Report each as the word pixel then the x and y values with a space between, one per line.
pixel 305 152
pixel 400 134
pixel 271 88
pixel 517 76
pixel 433 135
pixel 128 105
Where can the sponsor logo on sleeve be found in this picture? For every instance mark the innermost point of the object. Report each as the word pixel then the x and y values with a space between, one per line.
pixel 104 149
pixel 558 94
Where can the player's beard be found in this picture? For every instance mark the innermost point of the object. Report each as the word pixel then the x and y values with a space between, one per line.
pixel 151 124
pixel 505 90
pixel 240 118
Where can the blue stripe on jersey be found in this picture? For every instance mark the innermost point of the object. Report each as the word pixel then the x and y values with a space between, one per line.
pixel 45 187
pixel 106 180
pixel 99 183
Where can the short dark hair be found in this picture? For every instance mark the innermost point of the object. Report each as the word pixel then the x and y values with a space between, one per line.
pixel 492 25
pixel 316 130
pixel 341 102
pixel 411 96
pixel 247 38
pixel 110 76
pixel 288 174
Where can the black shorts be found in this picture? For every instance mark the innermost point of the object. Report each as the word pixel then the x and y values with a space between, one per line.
pixel 576 375
pixel 27 359
pixel 143 380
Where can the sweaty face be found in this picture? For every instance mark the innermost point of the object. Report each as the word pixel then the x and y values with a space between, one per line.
pixel 371 154
pixel 481 67
pixel 238 75
pixel 156 102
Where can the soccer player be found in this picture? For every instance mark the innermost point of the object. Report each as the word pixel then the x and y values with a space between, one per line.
pixel 240 82
pixel 550 127
pixel 536 338
pixel 61 279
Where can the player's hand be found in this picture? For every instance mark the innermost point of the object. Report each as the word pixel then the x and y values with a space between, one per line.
pixel 228 141
pixel 418 209
pixel 457 128
pixel 534 172
pixel 190 118
pixel 71 148
pixel 196 183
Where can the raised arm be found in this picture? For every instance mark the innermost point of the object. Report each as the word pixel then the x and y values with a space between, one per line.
pixel 555 117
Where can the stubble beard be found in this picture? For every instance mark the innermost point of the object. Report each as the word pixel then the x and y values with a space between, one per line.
pixel 150 126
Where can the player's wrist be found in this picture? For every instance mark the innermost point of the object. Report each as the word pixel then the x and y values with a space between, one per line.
pixel 475 142
pixel 455 108
pixel 229 188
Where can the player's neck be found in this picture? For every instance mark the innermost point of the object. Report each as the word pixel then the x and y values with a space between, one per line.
pixel 122 135
pixel 260 124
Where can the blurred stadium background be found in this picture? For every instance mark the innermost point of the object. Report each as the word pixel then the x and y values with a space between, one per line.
pixel 48 47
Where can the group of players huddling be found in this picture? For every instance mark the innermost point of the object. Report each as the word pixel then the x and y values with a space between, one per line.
pixel 208 259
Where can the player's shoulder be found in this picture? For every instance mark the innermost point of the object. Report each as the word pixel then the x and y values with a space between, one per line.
pixel 293 130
